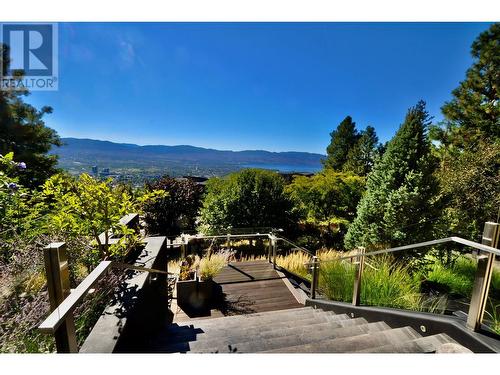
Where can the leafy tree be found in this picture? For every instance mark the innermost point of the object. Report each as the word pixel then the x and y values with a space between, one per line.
pixel 361 157
pixel 23 132
pixel 85 206
pixel 474 113
pixel 327 197
pixel 327 201
pixel 343 139
pixel 470 186
pixel 176 210
pixel 401 190
pixel 248 198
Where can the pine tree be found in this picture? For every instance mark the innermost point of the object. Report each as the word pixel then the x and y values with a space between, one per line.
pixel 23 132
pixel 343 139
pixel 469 144
pixel 473 115
pixel 401 188
pixel 361 157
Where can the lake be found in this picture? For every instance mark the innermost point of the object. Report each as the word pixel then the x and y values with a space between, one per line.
pixel 286 167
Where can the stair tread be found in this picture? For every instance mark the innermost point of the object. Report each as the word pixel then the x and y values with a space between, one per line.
pixel 428 344
pixel 258 320
pixel 353 343
pixel 305 326
pixel 286 338
pixel 256 323
pixel 229 318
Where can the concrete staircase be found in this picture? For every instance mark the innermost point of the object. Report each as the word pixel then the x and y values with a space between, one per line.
pixel 298 330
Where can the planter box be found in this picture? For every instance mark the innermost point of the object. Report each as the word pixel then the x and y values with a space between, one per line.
pixel 206 292
pixel 187 293
pixel 197 295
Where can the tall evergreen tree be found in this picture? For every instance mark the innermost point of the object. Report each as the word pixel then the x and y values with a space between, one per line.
pixel 343 139
pixel 473 115
pixel 23 132
pixel 469 144
pixel 401 188
pixel 361 157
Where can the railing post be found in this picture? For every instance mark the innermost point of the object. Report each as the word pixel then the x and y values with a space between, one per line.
pixel 491 235
pixel 57 272
pixel 275 246
pixel 357 278
pixel 315 274
pixel 270 249
pixel 184 245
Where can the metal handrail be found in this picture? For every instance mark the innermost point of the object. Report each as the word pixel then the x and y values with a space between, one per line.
pixel 203 237
pixel 296 246
pixel 458 240
pixel 482 279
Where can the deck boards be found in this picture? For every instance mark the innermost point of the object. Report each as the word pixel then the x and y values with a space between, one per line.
pixel 254 287
pixel 249 287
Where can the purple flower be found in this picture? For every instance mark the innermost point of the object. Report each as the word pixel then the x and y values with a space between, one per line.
pixel 21 165
pixel 13 186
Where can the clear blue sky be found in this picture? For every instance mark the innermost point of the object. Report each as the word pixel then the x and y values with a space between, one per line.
pixel 277 87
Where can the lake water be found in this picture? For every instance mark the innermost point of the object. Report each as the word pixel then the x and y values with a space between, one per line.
pixel 286 167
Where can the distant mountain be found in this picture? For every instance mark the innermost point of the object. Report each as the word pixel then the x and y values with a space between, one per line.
pixel 82 153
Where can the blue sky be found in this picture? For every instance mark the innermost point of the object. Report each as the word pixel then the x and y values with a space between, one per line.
pixel 274 86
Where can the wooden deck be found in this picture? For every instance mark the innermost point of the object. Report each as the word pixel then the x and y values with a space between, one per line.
pixel 249 287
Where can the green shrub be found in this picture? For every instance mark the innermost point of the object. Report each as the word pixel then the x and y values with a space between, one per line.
pixel 245 199
pixel 459 276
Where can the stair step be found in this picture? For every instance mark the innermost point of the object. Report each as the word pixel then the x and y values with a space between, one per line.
pixel 250 320
pixel 248 302
pixel 252 295
pixel 254 324
pixel 312 327
pixel 298 310
pixel 283 338
pixel 229 318
pixel 351 344
pixel 251 326
pixel 428 344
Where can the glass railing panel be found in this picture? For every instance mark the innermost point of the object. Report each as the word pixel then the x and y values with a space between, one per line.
pixel 294 259
pixel 336 277
pixel 491 318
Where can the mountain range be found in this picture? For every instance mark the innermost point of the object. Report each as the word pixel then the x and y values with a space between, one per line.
pixel 78 155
